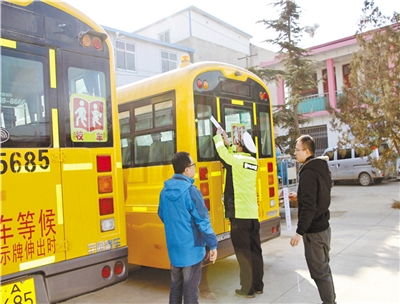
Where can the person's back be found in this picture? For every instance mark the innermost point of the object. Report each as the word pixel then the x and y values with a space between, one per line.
pixel 181 205
pixel 240 201
pixel 187 230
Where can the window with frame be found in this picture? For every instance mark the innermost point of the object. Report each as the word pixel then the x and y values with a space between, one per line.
pixel 24 108
pixel 125 55
pixel 148 131
pixel 169 61
pixel 164 36
pixel 204 130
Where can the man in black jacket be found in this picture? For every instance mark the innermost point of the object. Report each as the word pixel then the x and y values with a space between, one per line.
pixel 314 198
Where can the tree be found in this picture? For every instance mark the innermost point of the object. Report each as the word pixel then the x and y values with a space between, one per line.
pixel 298 71
pixel 369 109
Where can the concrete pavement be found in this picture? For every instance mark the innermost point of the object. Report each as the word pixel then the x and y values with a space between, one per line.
pixel 364 260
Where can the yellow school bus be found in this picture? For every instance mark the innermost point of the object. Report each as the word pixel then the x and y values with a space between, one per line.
pixel 62 225
pixel 171 112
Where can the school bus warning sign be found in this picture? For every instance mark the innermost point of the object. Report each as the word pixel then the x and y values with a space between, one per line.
pixel 88 118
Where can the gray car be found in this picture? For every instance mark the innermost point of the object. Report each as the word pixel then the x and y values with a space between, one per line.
pixel 348 165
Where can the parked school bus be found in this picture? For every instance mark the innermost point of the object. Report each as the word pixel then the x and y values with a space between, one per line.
pixel 62 225
pixel 171 112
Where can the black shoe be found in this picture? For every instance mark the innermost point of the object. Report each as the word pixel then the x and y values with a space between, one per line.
pixel 258 291
pixel 241 293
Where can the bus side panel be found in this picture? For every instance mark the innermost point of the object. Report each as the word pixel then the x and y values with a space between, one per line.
pixel 145 231
pixel 83 228
pixel 268 207
pixel 32 223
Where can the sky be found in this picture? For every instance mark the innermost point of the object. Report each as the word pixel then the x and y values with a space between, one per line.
pixel 336 18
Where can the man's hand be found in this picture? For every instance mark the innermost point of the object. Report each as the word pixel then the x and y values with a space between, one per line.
pixel 294 241
pixel 220 131
pixel 213 255
pixel 292 195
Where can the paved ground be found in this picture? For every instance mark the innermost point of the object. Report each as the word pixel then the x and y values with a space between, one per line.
pixel 364 260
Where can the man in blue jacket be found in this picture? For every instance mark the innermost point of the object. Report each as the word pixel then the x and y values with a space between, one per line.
pixel 187 229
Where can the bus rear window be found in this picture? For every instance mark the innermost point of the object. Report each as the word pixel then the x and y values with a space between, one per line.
pixel 24 112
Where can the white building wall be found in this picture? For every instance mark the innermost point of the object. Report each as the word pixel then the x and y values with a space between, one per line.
pixel 148 59
pixel 193 24
pixel 207 29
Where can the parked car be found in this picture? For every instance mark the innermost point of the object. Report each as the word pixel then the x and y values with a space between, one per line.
pixel 347 165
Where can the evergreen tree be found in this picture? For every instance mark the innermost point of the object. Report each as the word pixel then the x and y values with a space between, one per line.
pixel 297 73
pixel 369 109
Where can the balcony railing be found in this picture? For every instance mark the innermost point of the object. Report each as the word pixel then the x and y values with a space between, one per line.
pixel 315 103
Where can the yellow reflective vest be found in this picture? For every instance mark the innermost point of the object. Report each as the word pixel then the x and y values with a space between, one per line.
pixel 244 176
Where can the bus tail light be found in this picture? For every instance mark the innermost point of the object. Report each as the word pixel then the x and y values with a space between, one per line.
pixel 106 272
pixel 119 268
pixel 106 206
pixel 207 203
pixel 204 189
pixel 270 167
pixel 271 192
pixel 103 163
pixel 199 84
pixel 203 173
pixel 105 184
pixel 107 224
pixel 92 38
pixel 97 43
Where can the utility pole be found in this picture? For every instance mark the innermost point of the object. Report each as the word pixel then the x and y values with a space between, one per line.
pixel 247 58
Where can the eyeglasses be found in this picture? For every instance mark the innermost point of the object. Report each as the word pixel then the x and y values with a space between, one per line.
pixel 297 150
pixel 192 165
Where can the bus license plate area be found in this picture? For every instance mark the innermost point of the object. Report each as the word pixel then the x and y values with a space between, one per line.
pixel 19 292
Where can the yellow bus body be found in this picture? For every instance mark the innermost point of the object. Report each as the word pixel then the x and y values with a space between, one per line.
pixel 56 240
pixel 143 183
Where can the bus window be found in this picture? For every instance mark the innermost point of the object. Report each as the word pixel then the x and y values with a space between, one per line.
pixel 86 82
pixel 24 110
pixel 153 137
pixel 89 118
pixel 237 121
pixel 163 114
pixel 205 144
pixel 126 142
pixel 265 129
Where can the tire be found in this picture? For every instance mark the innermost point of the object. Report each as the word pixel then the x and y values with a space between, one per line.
pixel 378 180
pixel 364 179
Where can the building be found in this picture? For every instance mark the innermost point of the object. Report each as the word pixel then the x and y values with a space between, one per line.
pixel 159 46
pixel 333 68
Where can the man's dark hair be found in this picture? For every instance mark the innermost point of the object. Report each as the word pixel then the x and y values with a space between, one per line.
pixel 244 149
pixel 308 143
pixel 180 161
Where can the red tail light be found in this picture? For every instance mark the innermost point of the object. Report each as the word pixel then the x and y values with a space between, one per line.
pixel 207 203
pixel 270 167
pixel 103 163
pixel 203 173
pixel 118 268
pixel 106 272
pixel 106 205
pixel 271 192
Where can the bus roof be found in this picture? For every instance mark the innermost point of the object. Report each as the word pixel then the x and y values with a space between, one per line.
pixel 182 74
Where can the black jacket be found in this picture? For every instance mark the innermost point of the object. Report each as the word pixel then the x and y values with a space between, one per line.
pixel 314 196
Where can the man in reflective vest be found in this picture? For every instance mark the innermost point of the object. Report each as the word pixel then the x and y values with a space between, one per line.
pixel 240 200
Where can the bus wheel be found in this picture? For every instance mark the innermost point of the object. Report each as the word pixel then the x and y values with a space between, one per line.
pixel 364 179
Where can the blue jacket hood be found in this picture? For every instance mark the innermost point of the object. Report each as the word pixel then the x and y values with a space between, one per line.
pixel 174 188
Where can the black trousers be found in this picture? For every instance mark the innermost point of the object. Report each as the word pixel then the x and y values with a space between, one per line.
pixel 245 236
pixel 316 249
